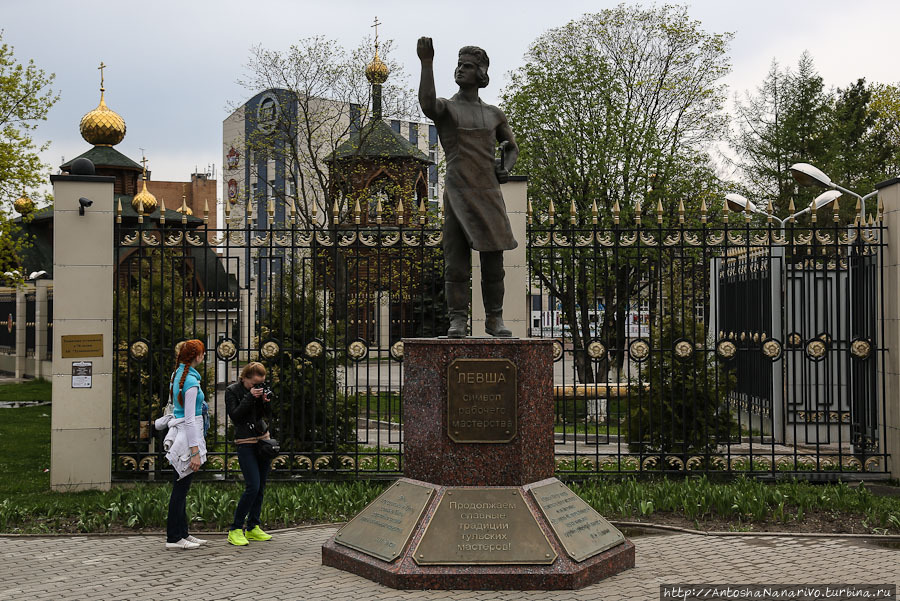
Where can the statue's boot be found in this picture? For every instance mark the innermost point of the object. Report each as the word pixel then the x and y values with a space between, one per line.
pixel 492 295
pixel 457 308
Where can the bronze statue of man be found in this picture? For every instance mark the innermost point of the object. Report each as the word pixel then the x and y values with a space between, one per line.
pixel 474 211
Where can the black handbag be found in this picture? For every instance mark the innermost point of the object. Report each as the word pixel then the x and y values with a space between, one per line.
pixel 268 448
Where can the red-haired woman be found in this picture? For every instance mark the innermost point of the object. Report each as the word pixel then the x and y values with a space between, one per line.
pixel 185 444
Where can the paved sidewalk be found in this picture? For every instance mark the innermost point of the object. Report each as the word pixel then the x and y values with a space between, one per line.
pixel 289 568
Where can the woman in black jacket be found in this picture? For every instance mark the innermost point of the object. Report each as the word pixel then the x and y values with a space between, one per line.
pixel 249 410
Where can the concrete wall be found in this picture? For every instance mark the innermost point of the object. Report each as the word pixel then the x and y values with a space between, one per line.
pixel 81 432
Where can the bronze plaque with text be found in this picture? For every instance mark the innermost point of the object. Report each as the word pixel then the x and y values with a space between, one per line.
pixel 81 345
pixel 582 531
pixel 481 400
pixel 383 528
pixel 478 526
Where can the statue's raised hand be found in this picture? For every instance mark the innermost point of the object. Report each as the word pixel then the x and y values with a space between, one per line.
pixel 425 49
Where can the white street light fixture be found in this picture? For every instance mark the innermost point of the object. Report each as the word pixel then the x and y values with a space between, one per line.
pixel 808 175
pixel 738 204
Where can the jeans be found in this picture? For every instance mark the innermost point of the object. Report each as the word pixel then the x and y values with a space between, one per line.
pixel 177 522
pixel 255 471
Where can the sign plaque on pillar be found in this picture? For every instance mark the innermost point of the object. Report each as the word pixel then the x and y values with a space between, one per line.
pixel 82 374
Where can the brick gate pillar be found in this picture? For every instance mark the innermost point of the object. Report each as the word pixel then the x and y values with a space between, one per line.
pixel 889 370
pixel 81 420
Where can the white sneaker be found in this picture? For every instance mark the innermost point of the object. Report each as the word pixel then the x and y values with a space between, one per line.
pixel 183 544
pixel 195 540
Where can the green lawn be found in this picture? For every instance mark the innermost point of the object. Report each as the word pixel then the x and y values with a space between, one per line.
pixel 29 390
pixel 27 505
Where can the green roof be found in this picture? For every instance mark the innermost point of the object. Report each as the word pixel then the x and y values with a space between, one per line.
pixel 376 139
pixel 104 156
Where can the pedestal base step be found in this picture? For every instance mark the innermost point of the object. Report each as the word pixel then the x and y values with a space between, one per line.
pixel 418 535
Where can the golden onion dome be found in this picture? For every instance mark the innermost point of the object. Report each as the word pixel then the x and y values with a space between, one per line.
pixel 376 71
pixel 144 202
pixel 23 205
pixel 102 126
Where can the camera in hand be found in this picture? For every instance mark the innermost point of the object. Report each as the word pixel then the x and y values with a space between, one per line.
pixel 267 390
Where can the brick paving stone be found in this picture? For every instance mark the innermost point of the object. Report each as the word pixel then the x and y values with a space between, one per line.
pixel 289 568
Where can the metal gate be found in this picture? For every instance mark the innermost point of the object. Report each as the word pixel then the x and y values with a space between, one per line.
pixel 734 347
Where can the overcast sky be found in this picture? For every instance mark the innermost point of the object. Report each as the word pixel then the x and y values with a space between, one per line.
pixel 173 65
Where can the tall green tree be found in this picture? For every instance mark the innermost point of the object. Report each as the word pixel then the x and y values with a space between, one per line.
pixel 609 108
pixel 786 121
pixel 852 134
pixel 26 97
pixel 886 108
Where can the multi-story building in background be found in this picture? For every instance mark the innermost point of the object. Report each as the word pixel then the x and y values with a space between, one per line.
pixel 249 174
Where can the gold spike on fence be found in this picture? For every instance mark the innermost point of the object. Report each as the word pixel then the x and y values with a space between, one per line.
pixel 594 212
pixel 681 211
pixel 162 209
pixel 357 212
pixel 336 212
pixel 616 212
pixel 378 210
pixel 703 210
pixel 573 213
pixel 400 209
pixel 422 212
pixel 206 210
pixel 529 212
pixel 659 211
pixel 119 211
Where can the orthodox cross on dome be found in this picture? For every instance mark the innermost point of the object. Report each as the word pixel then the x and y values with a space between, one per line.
pixel 144 162
pixel 375 25
pixel 101 68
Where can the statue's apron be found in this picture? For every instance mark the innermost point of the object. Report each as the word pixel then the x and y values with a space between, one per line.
pixel 472 193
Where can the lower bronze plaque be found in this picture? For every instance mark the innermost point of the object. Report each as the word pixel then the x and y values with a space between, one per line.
pixel 474 526
pixel 582 531
pixel 481 400
pixel 383 528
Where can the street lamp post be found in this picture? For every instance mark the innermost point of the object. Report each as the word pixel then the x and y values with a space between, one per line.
pixel 809 175
pixel 739 204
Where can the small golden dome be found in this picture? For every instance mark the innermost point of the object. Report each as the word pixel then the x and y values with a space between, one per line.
pixel 377 71
pixel 184 209
pixel 24 205
pixel 144 201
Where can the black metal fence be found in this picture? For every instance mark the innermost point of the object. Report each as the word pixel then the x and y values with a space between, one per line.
pixel 733 347
pixel 726 347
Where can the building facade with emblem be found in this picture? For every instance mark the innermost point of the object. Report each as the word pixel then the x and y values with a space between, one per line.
pixel 289 174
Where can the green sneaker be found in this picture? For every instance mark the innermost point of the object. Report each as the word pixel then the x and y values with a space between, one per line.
pixel 256 533
pixel 236 537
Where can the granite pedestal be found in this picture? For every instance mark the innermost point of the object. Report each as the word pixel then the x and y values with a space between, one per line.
pixel 479 507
